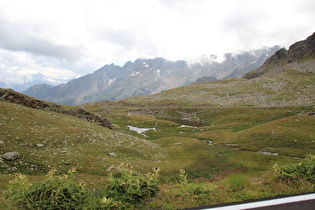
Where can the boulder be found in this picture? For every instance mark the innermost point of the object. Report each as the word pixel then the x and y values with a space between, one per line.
pixel 11 156
pixel 113 154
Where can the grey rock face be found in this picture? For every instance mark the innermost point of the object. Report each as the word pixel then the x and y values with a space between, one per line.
pixel 300 56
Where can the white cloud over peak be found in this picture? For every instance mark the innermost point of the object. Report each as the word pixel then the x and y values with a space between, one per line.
pixel 75 37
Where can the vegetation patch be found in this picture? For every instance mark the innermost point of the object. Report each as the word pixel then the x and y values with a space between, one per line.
pixel 125 191
pixel 294 172
pixel 54 193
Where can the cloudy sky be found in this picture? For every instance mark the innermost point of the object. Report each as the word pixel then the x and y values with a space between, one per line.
pixel 64 39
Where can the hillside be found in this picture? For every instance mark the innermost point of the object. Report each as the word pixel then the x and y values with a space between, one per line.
pixel 148 76
pixel 46 139
pixel 18 98
pixel 283 89
pixel 300 56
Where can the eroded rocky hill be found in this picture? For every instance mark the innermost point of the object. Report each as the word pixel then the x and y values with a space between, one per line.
pixel 18 98
pixel 300 56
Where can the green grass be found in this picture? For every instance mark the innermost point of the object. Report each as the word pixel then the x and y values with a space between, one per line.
pixel 229 170
pixel 227 127
pixel 68 141
pixel 238 135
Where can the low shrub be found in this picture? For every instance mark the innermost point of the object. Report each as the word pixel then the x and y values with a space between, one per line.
pixel 61 191
pixel 56 192
pixel 131 189
pixel 304 170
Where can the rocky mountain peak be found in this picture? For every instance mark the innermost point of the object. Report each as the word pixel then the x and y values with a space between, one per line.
pixel 303 48
pixel 297 51
pixel 299 56
pixel 280 54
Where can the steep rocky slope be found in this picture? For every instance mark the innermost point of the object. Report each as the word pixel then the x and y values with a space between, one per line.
pixel 300 56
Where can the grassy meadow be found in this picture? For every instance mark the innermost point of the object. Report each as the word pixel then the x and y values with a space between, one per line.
pixel 208 154
pixel 246 142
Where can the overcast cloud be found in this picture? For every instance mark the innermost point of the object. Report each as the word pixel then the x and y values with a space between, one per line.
pixel 66 39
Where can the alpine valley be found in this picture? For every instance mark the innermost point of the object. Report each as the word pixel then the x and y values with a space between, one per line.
pixel 235 135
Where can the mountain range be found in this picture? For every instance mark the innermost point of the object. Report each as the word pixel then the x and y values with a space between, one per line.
pixel 285 79
pixel 149 76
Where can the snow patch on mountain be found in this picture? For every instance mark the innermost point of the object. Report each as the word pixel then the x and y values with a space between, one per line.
pixel 134 73
pixel 158 72
pixel 111 81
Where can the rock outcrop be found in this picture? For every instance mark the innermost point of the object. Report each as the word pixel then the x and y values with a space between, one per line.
pixel 300 56
pixel 19 98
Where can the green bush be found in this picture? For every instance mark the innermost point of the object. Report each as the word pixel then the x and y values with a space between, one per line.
pixel 304 170
pixel 56 192
pixel 132 189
